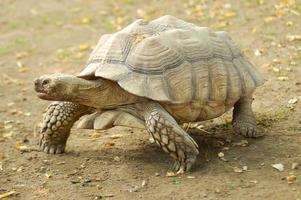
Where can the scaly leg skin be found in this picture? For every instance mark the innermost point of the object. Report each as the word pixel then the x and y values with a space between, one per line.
pixel 57 122
pixel 244 121
pixel 170 136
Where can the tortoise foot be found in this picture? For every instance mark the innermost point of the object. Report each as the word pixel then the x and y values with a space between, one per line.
pixel 51 147
pixel 246 129
pixel 182 167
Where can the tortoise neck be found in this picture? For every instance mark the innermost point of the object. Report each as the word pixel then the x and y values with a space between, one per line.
pixel 102 93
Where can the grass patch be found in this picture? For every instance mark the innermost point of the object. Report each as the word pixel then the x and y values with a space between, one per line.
pixel 18 44
pixel 54 20
pixel 269 118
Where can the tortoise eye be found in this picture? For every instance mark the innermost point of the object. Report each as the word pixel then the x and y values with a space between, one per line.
pixel 45 82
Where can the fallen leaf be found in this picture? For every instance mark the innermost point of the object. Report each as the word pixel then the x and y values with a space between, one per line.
pixel 23 69
pixel 117 159
pixel 84 47
pixel 85 20
pixel 276 69
pixel 289 23
pixel 7 194
pixel 115 136
pixel 48 175
pixel 237 170
pixel 295 165
pixel 143 183
pixel 109 145
pixel 291 178
pixel 230 14
pixel 278 166
pixel 292 38
pixel 277 61
pixel 258 52
pixel 20 55
pixel 242 143
pixel 33 11
pixel 292 101
pixel 220 154
pixel 171 174
pixel 283 78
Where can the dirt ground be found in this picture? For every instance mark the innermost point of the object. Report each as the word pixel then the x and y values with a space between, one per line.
pixel 39 37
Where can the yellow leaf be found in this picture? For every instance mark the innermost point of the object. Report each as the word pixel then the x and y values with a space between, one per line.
pixel 277 61
pixel 20 55
pixel 109 145
pixel 23 69
pixel 83 47
pixel 116 136
pixel 276 69
pixel 289 23
pixel 33 11
pixel 283 78
pixel 7 194
pixel 292 38
pixel 268 19
pixel 230 14
pixel 85 20
pixel 18 145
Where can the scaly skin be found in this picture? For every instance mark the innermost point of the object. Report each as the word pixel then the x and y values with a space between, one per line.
pixel 166 132
pixel 57 122
pixel 244 121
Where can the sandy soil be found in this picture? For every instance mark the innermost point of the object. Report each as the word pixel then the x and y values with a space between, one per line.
pixel 39 37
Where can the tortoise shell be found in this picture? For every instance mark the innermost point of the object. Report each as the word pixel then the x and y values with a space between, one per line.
pixel 171 60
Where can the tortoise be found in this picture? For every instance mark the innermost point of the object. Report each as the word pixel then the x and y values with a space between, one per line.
pixel 158 74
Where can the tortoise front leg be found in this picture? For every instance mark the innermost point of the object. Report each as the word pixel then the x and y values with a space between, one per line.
pixel 170 136
pixel 57 122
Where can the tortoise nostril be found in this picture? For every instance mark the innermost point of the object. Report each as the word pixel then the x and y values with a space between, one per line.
pixel 36 82
pixel 45 82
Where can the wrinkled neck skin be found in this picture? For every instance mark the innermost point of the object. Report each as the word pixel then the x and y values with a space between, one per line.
pixel 100 93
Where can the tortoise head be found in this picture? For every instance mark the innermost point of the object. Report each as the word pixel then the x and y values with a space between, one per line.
pixel 57 86
pixel 98 93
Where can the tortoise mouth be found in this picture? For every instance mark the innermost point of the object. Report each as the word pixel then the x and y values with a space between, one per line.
pixel 41 94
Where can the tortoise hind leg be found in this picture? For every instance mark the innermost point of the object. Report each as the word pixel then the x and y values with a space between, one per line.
pixel 166 132
pixel 57 122
pixel 244 121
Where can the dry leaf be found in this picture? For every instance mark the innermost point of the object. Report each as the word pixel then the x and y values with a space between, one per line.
pixel 278 166
pixel 292 101
pixel 258 52
pixel 170 174
pixel 48 175
pixel 276 69
pixel 242 143
pixel 115 136
pixel 237 170
pixel 220 154
pixel 277 61
pixel 230 14
pixel 290 179
pixel 289 23
pixel 7 194
pixel 20 55
pixel 292 38
pixel 283 78
pixel 295 165
pixel 85 20
pixel 23 69
pixel 109 145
